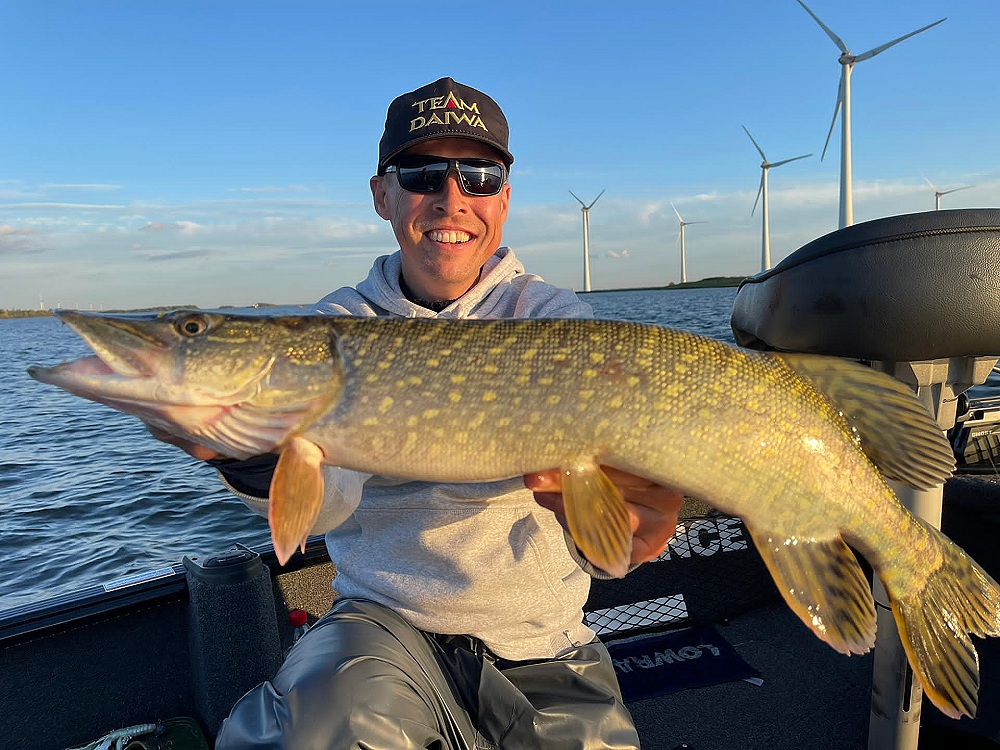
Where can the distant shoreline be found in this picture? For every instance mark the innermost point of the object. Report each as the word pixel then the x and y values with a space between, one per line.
pixel 165 308
pixel 712 282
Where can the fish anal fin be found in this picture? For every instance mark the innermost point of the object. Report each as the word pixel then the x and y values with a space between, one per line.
pixel 822 582
pixel 296 496
pixel 597 517
pixel 896 431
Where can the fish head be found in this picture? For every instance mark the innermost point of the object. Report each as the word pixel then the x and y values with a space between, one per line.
pixel 242 385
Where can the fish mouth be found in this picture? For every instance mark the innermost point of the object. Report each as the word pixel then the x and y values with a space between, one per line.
pixel 122 343
pixel 131 353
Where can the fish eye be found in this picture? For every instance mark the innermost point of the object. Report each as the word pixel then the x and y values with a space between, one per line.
pixel 192 325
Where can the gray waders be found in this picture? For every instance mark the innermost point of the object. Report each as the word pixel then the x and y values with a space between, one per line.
pixel 362 677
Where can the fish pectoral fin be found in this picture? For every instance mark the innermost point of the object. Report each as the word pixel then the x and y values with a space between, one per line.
pixel 822 582
pixel 597 517
pixel 296 496
pixel 896 431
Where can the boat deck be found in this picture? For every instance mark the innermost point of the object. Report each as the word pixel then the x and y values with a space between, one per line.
pixel 71 674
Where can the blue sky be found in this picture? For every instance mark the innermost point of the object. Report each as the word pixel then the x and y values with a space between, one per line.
pixel 218 153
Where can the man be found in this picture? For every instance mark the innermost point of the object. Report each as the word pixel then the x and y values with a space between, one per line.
pixel 459 617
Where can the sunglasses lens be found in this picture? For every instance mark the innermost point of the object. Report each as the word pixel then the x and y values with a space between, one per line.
pixel 481 177
pixel 426 174
pixel 422 177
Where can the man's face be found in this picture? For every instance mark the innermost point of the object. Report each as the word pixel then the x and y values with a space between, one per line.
pixel 445 237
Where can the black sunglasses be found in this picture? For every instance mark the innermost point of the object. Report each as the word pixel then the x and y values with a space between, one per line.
pixel 426 174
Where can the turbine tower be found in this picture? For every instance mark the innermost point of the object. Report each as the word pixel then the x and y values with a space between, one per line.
pixel 765 165
pixel 585 210
pixel 680 238
pixel 939 193
pixel 847 62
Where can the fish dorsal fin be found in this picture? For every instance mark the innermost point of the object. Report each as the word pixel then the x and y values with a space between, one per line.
pixel 296 496
pixel 597 517
pixel 824 585
pixel 896 431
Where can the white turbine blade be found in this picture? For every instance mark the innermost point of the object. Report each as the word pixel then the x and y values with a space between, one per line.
pixel 836 111
pixel 955 190
pixel 757 145
pixel 759 191
pixel 578 199
pixel 829 32
pixel 794 158
pixel 872 52
pixel 677 212
pixel 929 183
pixel 596 199
pixel 696 222
pixel 677 241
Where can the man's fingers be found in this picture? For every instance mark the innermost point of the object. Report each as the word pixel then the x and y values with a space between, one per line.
pixel 544 481
pixel 654 525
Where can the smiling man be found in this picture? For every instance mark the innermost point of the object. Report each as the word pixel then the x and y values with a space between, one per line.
pixel 459 619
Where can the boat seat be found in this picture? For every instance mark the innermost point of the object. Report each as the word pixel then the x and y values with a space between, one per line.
pixel 904 288
pixel 917 296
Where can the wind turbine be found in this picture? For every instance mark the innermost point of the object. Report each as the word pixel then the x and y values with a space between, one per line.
pixel 765 165
pixel 680 238
pixel 939 193
pixel 847 62
pixel 585 210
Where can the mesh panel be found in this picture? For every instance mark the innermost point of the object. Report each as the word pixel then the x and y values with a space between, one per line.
pixel 652 612
pixel 709 572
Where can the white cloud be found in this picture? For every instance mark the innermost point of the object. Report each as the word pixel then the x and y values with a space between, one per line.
pixel 250 247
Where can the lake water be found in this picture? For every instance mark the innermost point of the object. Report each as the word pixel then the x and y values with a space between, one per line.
pixel 88 496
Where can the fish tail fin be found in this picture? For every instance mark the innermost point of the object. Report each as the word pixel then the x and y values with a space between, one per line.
pixel 958 599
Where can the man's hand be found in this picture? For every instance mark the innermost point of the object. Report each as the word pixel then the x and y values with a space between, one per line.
pixel 652 508
pixel 192 449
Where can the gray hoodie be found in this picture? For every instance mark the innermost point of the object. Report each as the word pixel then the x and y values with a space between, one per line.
pixel 479 559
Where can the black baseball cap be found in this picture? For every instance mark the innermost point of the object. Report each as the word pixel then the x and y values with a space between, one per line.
pixel 442 109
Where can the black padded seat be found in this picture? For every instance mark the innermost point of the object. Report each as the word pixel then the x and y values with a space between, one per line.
pixel 905 288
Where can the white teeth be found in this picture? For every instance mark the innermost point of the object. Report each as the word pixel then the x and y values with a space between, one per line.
pixel 439 235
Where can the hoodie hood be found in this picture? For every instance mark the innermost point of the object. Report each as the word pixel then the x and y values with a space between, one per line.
pixel 503 291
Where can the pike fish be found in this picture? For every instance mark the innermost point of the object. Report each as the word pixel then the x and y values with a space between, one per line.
pixel 788 442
